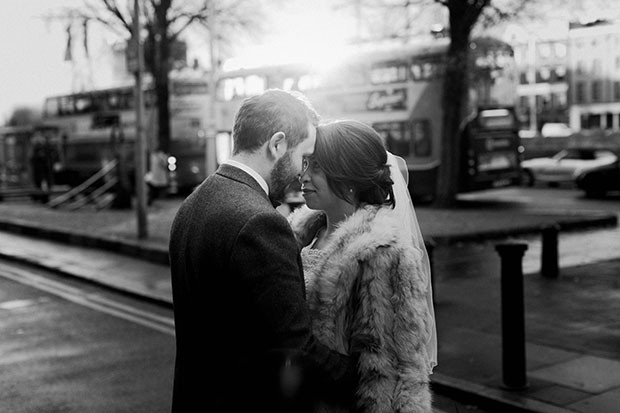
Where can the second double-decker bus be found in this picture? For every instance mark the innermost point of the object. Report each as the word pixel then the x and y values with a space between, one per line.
pixel 93 125
pixel 398 91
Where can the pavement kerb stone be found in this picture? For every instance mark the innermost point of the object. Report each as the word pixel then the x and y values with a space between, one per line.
pixel 159 254
pixel 72 237
pixel 490 398
pixel 574 224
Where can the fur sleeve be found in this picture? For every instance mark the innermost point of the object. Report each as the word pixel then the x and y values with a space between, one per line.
pixel 387 332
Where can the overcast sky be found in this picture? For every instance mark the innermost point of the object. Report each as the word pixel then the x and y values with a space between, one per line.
pixel 32 54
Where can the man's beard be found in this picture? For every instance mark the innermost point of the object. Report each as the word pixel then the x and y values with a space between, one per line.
pixel 282 176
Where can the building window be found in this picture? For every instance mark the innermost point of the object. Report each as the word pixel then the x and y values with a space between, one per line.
pixel 594 121
pixel 596 91
pixel 559 100
pixel 560 50
pixel 617 91
pixel 580 92
pixel 544 50
pixel 609 118
pixel 581 66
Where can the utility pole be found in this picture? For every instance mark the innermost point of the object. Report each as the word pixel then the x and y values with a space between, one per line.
pixel 140 143
pixel 210 147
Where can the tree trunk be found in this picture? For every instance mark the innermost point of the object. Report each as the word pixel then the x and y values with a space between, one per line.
pixel 463 16
pixel 454 99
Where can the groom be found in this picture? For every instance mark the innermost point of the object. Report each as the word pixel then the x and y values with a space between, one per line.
pixel 243 332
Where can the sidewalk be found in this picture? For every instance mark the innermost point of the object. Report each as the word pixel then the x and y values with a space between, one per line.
pixel 572 327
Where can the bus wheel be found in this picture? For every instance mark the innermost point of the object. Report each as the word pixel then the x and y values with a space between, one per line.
pixel 527 178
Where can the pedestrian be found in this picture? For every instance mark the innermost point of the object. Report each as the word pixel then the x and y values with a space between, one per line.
pixel 39 162
pixel 243 328
pixel 366 267
pixel 123 188
pixel 157 176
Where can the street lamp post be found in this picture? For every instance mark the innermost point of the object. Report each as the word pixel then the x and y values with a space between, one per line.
pixel 140 144
pixel 211 132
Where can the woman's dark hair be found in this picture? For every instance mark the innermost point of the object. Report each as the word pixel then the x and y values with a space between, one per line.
pixel 352 156
pixel 275 110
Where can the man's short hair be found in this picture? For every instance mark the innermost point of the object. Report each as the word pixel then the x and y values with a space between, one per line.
pixel 275 110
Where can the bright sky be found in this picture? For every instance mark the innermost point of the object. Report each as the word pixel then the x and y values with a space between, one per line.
pixel 32 54
pixel 32 50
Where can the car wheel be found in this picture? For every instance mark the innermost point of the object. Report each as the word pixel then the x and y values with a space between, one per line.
pixel 527 177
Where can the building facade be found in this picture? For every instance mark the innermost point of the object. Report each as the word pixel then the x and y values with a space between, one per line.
pixel 594 81
pixel 541 59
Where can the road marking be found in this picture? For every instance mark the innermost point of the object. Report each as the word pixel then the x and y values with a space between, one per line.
pixel 93 301
pixel 15 304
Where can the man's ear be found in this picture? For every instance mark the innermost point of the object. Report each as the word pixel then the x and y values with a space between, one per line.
pixel 277 145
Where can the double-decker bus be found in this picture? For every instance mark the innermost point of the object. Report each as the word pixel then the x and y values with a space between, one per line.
pixel 398 91
pixel 93 125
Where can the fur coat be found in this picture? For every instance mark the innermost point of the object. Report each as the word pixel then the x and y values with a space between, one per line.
pixel 368 299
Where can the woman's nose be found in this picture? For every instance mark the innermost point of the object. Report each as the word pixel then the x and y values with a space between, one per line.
pixel 303 177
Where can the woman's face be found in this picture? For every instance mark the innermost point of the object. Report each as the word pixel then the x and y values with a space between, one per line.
pixel 316 191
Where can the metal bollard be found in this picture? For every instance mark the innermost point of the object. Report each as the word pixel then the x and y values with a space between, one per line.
pixel 513 315
pixel 549 267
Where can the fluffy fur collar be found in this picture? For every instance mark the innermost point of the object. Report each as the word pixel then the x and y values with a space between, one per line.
pixel 369 227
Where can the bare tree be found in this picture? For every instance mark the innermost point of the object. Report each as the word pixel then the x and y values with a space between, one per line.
pixel 165 22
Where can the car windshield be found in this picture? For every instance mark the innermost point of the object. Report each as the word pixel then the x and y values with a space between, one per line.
pixel 567 154
pixel 583 154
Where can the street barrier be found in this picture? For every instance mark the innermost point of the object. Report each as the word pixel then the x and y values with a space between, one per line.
pixel 513 315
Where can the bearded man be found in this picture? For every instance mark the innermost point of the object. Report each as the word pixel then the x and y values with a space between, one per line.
pixel 241 319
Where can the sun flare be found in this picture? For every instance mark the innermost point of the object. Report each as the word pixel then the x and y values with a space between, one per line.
pixel 311 35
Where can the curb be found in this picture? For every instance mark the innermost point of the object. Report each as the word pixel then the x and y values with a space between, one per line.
pixel 160 254
pixel 99 282
pixel 574 224
pixel 490 398
pixel 108 243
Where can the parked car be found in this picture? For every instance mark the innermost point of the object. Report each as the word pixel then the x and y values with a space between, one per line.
pixel 564 166
pixel 555 130
pixel 600 180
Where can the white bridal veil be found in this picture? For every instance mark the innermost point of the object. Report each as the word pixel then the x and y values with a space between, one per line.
pixel 406 213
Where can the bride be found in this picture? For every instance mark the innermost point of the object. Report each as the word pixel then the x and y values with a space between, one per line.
pixel 367 270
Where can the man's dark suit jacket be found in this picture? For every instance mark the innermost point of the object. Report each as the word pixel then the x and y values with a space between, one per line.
pixel 239 303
